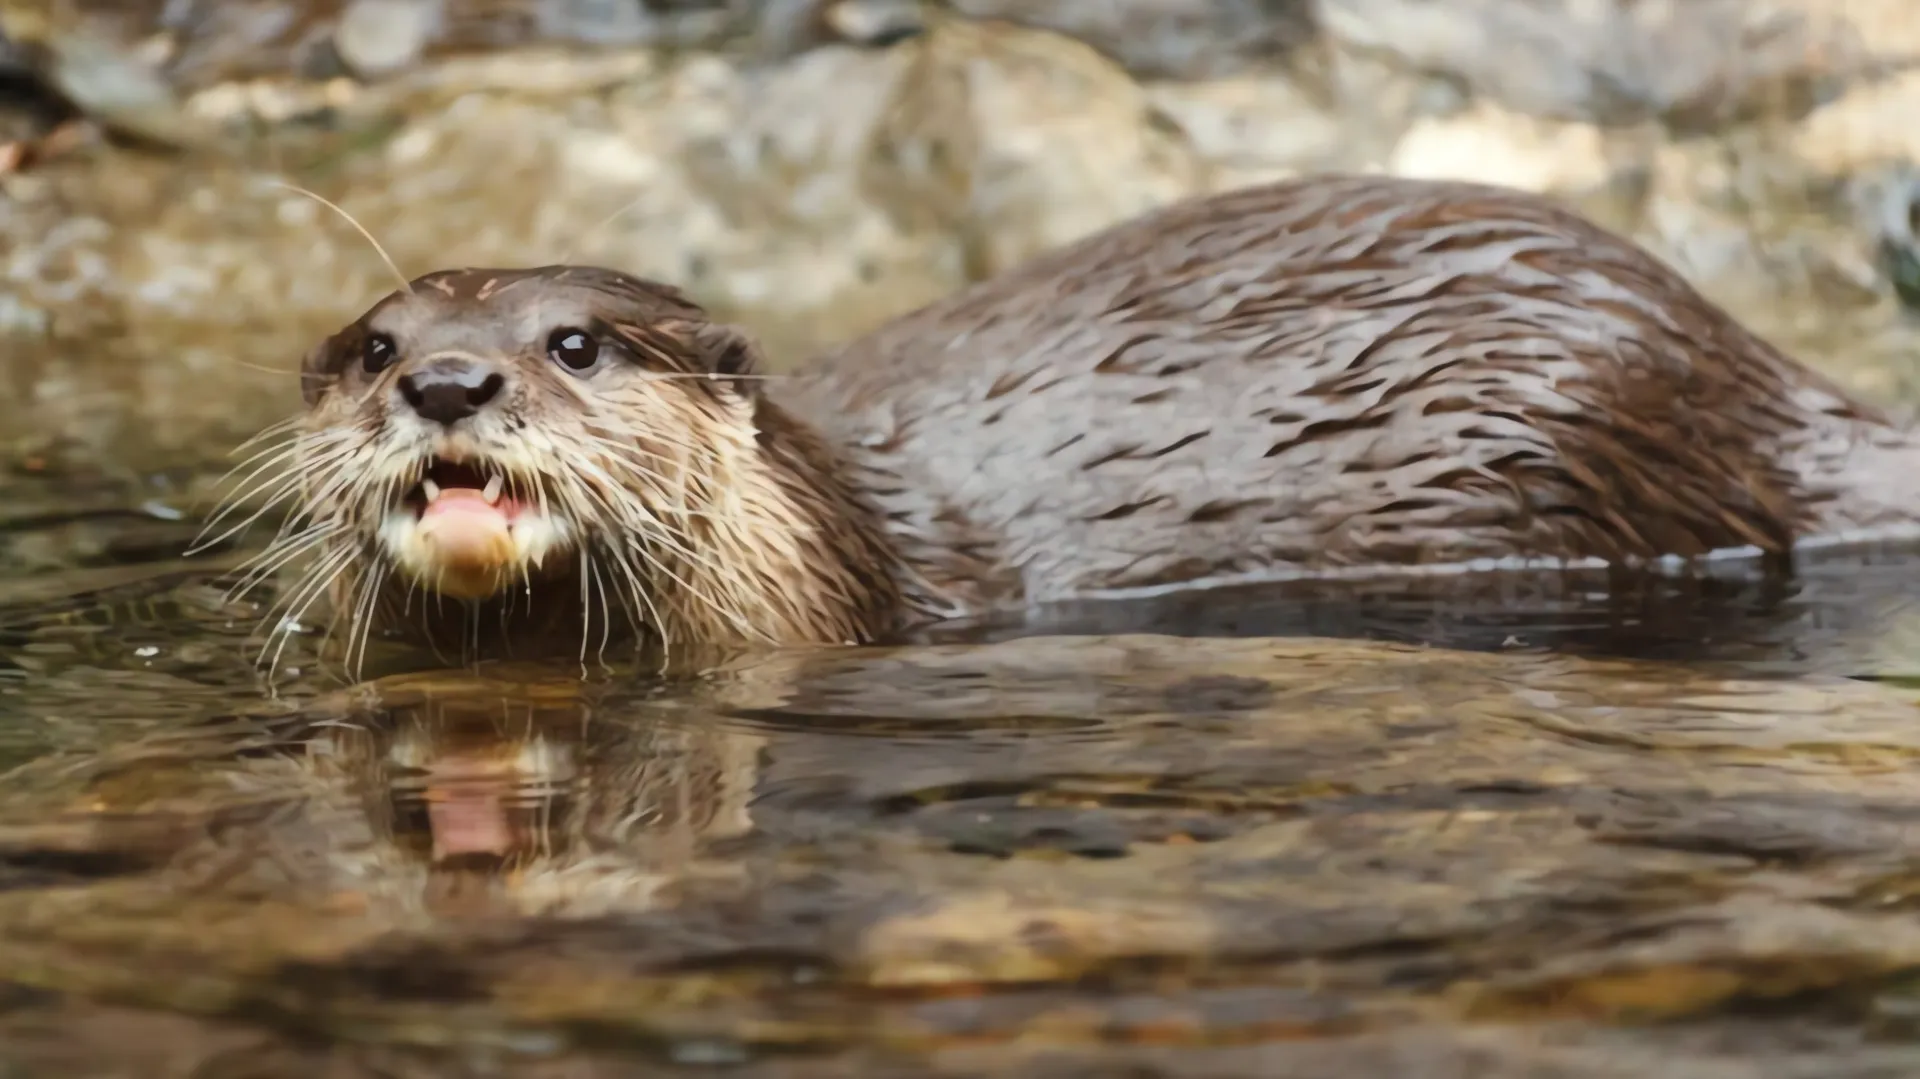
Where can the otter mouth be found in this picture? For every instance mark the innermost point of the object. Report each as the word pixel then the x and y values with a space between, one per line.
pixel 464 487
pixel 468 529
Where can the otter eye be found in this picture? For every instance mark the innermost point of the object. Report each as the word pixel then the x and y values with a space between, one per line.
pixel 573 348
pixel 377 353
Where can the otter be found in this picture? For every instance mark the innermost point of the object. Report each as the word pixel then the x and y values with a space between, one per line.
pixel 1319 375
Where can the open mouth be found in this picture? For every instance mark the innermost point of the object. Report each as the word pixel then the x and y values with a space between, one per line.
pixel 467 528
pixel 462 487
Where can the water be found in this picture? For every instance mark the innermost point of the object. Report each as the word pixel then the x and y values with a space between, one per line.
pixel 1655 827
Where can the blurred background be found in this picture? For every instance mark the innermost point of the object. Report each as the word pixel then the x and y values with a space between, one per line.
pixel 811 167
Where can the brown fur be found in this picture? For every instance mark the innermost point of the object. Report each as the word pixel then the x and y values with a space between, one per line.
pixel 1323 373
pixel 1336 372
pixel 744 530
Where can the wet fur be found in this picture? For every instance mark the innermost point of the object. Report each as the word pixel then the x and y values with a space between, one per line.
pixel 708 515
pixel 1311 375
pixel 1337 372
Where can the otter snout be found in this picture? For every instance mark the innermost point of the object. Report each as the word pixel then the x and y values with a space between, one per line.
pixel 450 389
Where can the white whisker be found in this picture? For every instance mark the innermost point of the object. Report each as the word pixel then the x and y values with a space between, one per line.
pixel 405 285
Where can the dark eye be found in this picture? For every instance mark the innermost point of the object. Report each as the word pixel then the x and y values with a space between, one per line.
pixel 377 353
pixel 573 348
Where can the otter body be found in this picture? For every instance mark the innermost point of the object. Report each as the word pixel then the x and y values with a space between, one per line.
pixel 1341 372
pixel 1304 376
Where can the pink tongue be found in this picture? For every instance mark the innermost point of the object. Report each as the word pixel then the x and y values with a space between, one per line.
pixel 463 500
pixel 466 534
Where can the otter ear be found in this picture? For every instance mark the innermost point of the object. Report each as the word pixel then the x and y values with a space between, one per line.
pixel 723 350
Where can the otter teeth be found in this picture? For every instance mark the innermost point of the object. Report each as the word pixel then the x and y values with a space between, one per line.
pixel 431 490
pixel 494 486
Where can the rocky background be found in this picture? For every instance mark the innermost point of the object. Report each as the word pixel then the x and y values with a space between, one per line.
pixel 811 167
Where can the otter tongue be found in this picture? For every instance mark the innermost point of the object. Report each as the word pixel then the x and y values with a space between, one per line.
pixel 461 500
pixel 465 527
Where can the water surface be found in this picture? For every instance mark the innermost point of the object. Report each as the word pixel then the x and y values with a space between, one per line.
pixel 1515 825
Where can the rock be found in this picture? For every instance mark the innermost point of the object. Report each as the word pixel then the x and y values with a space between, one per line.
pixel 1252 128
pixel 380 37
pixel 1186 39
pixel 1891 205
pixel 1019 141
pixel 1870 126
pixel 813 197
pixel 1489 144
pixel 1691 63
pixel 796 198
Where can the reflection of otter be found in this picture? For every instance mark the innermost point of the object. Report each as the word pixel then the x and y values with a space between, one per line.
pixel 1309 376
pixel 476 797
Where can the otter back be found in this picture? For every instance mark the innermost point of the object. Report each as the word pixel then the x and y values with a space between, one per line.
pixel 1338 372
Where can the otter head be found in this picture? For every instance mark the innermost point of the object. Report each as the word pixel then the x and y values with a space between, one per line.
pixel 577 440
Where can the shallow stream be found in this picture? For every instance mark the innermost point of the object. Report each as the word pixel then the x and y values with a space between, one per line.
pixel 1510 826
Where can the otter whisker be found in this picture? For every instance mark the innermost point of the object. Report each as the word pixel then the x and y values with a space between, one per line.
pixel 648 525
pixel 258 568
pixel 639 596
pixel 342 616
pixel 363 619
pixel 289 443
pixel 540 494
pixel 327 459
pixel 330 561
pixel 329 568
pixel 696 453
pixel 606 610
pixel 598 225
pixel 574 494
pixel 599 499
pixel 331 482
pixel 327 556
pixel 636 600
pixel 288 542
pixel 284 452
pixel 288 456
pixel 277 427
pixel 739 622
pixel 406 285
pixel 586 607
pixel 278 372
pixel 623 451
pixel 642 472
pixel 432 637
pixel 202 543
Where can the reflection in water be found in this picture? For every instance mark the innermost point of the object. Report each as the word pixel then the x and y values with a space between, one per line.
pixel 1560 852
pixel 1084 848
pixel 1831 614
pixel 479 801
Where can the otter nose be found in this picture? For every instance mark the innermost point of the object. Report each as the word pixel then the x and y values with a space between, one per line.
pixel 448 391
